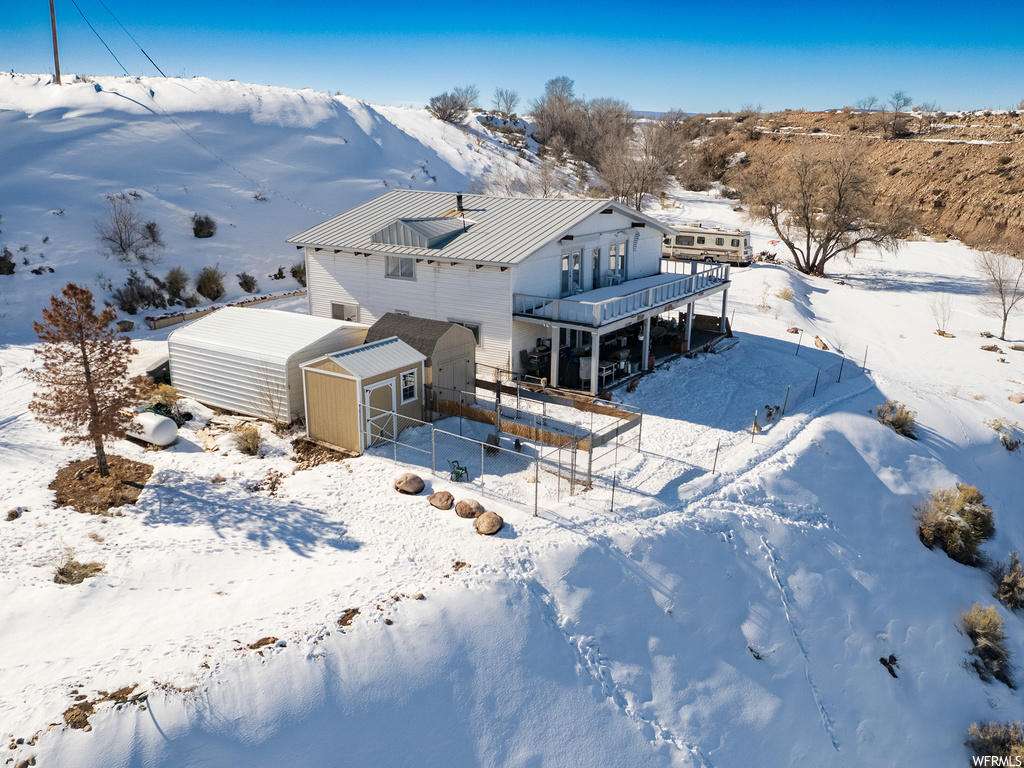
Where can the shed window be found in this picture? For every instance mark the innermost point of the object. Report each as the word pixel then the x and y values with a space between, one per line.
pixel 408 386
pixel 474 327
pixel 399 267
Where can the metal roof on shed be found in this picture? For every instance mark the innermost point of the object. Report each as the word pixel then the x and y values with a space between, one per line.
pixel 271 334
pixel 377 358
pixel 500 230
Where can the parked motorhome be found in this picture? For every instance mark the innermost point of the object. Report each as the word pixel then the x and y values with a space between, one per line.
pixel 699 243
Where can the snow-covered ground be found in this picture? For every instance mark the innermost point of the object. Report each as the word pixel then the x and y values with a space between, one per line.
pixel 722 619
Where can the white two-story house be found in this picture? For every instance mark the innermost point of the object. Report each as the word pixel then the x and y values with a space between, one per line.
pixel 524 274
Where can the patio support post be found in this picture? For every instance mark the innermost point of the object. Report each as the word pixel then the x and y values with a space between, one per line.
pixel 553 379
pixel 645 353
pixel 595 360
pixel 724 326
pixel 689 324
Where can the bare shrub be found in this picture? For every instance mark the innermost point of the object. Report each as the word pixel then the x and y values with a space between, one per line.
pixel 1009 578
pixel 786 294
pixel 448 107
pixel 248 438
pixel 1004 282
pixel 957 521
pixel 203 226
pixel 991 658
pixel 1000 740
pixel 6 261
pixel 138 294
pixel 899 417
pixel 505 100
pixel 247 282
pixel 298 271
pixel 123 234
pixel 210 283
pixel 154 393
pixel 942 310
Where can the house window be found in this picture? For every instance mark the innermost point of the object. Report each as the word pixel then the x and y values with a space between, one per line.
pixel 399 268
pixel 719 241
pixel 700 240
pixel 408 386
pixel 348 312
pixel 474 327
pixel 617 259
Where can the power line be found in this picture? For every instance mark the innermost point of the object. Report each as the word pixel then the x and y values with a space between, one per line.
pixel 133 39
pixel 100 38
pixel 149 93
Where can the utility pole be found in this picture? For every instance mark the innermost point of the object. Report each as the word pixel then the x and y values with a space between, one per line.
pixel 56 58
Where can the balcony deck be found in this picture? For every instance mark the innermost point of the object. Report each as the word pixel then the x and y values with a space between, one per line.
pixel 615 303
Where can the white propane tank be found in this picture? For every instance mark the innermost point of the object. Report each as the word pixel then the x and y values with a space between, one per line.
pixel 154 428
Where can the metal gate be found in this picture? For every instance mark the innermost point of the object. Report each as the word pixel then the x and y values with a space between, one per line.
pixel 380 425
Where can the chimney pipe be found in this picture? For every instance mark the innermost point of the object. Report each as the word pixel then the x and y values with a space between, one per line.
pixel 458 202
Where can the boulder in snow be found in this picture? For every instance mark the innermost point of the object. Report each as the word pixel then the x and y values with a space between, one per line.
pixel 409 483
pixel 489 523
pixel 441 500
pixel 469 508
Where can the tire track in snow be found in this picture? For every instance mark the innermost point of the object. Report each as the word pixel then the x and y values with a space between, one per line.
pixel 773 562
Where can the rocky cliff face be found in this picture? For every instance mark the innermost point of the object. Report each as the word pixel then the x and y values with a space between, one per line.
pixel 964 173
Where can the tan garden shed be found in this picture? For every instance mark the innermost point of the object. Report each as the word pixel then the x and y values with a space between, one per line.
pixel 449 348
pixel 365 395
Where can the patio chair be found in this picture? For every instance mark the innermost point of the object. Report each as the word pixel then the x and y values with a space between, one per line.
pixel 459 473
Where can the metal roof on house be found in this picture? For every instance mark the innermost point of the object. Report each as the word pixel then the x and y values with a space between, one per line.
pixel 499 230
pixel 376 358
pixel 420 233
pixel 418 332
pixel 270 333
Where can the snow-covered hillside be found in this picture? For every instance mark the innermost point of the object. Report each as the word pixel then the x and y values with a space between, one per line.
pixel 724 619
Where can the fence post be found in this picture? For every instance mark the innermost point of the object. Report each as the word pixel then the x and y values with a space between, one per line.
pixel 815 390
pixel 800 339
pixel 786 402
pixel 433 462
pixel 481 466
pixel 841 364
pixel 864 365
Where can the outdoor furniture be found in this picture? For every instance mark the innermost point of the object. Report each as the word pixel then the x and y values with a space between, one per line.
pixel 605 372
pixel 585 372
pixel 530 363
pixel 459 473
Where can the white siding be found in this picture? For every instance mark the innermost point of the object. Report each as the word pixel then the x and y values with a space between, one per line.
pixel 440 291
pixel 245 381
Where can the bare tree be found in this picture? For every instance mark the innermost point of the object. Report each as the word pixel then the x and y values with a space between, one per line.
pixel 942 310
pixel 866 107
pixel 820 202
pixel 899 101
pixel 468 95
pixel 1004 281
pixel 930 112
pixel 124 234
pixel 505 101
pixel 82 386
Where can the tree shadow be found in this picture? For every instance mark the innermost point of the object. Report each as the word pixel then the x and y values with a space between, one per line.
pixel 260 519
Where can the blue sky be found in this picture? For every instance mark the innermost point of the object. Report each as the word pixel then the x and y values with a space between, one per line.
pixel 655 55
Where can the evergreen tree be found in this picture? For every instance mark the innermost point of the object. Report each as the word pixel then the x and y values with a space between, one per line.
pixel 83 387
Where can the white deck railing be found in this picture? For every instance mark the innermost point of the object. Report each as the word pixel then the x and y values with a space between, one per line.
pixel 598 313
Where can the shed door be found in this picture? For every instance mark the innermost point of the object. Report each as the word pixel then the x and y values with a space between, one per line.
pixel 379 410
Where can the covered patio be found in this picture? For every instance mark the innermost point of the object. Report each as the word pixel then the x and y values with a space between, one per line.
pixel 605 335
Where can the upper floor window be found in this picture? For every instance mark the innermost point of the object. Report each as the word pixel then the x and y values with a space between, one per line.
pixel 400 267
